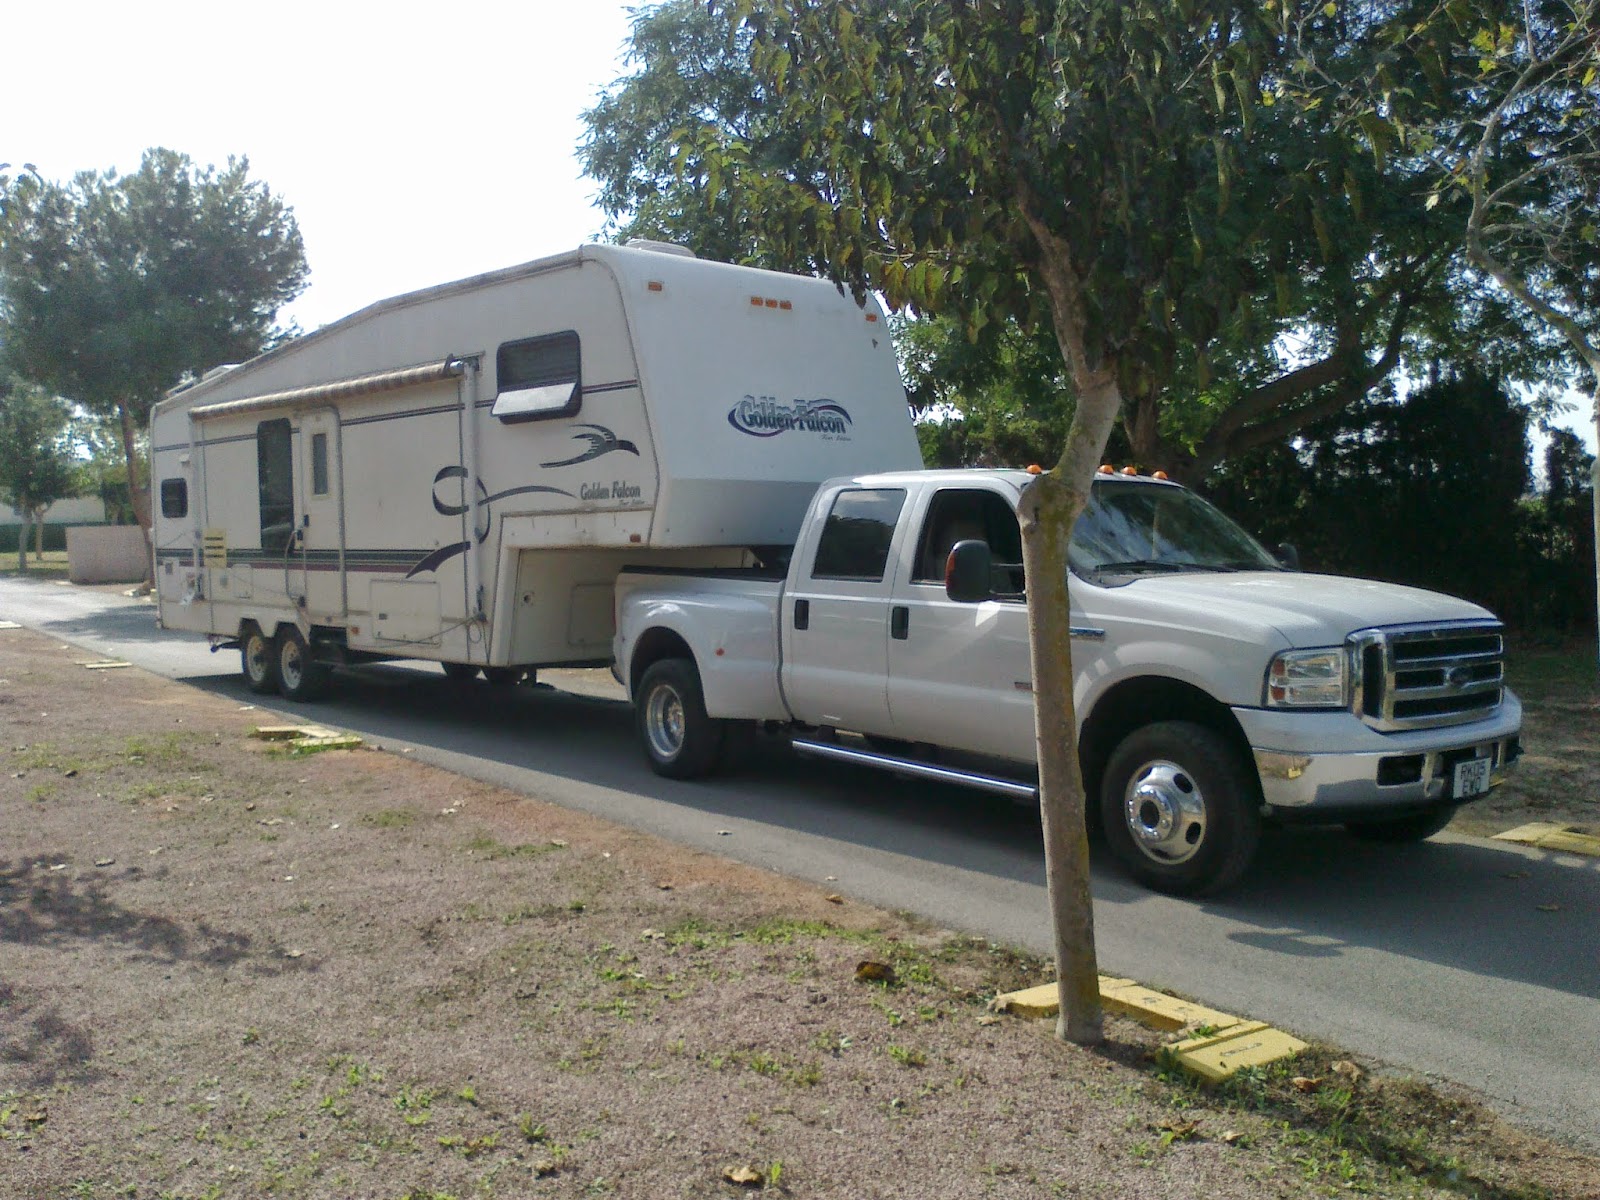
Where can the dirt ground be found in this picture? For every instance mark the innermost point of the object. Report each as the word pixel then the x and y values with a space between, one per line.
pixel 1558 777
pixel 228 970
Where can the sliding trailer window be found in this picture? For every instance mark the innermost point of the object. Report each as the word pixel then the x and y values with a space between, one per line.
pixel 538 378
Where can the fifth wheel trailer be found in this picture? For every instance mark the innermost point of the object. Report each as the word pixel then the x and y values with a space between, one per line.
pixel 459 474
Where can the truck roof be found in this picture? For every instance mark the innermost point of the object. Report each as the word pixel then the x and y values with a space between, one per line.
pixel 955 475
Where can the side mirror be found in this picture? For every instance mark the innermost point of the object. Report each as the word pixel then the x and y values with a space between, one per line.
pixel 966 572
pixel 1287 555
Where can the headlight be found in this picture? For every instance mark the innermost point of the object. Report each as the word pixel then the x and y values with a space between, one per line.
pixel 1308 679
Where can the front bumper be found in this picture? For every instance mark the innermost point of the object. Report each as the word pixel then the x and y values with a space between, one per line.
pixel 1331 765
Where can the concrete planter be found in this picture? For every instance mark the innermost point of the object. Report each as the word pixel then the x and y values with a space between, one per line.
pixel 107 554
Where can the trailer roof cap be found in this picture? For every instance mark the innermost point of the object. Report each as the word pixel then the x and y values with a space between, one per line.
pixel 660 247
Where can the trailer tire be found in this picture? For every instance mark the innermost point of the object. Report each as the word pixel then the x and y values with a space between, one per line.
pixel 300 677
pixel 258 660
pixel 503 676
pixel 1417 827
pixel 1180 808
pixel 679 739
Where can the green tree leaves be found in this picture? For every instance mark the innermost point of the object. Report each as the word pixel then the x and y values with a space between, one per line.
pixel 113 288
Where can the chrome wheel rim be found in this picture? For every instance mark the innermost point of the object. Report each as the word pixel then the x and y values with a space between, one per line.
pixel 1165 812
pixel 291 666
pixel 664 723
pixel 256 660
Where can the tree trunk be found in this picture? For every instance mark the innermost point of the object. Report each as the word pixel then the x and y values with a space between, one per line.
pixel 1048 510
pixel 22 536
pixel 138 496
pixel 38 544
pixel 1594 479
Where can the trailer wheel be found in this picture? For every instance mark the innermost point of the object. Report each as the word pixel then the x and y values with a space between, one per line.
pixel 1415 828
pixel 503 676
pixel 300 677
pixel 258 659
pixel 1180 808
pixel 680 740
pixel 460 672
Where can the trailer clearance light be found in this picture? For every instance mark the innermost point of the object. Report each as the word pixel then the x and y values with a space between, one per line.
pixel 1308 679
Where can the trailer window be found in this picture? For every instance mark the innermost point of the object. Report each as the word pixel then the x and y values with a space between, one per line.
pixel 855 541
pixel 275 483
pixel 319 464
pixel 175 498
pixel 538 378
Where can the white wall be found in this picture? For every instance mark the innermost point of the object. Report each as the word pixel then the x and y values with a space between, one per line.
pixel 79 510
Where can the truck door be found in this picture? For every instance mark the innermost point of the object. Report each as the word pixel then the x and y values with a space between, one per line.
pixel 960 674
pixel 320 521
pixel 836 614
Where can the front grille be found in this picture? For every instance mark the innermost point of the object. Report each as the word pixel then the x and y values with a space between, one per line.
pixel 1417 677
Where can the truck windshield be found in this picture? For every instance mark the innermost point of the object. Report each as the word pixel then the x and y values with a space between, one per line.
pixel 1139 528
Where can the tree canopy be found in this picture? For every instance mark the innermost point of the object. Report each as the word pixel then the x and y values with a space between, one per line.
pixel 113 288
pixel 1334 273
pixel 36 464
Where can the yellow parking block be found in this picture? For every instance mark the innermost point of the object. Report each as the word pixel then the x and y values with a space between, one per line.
pixel 342 741
pixel 1160 1011
pixel 1041 1001
pixel 1044 1000
pixel 1547 836
pixel 284 733
pixel 1250 1044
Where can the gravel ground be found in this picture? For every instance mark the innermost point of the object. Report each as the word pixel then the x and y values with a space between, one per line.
pixel 230 970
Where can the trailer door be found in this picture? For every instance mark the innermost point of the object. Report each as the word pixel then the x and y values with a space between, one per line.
pixel 321 517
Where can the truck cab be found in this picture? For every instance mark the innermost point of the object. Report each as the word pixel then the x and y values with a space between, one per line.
pixel 1213 687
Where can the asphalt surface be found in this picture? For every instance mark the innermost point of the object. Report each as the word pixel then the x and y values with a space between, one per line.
pixel 1444 959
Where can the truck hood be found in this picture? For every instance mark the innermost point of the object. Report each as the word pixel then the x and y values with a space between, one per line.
pixel 1307 610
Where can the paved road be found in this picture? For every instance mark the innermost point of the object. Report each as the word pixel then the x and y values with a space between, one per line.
pixel 1430 957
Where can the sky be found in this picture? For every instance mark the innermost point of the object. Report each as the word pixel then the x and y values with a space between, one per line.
pixel 417 143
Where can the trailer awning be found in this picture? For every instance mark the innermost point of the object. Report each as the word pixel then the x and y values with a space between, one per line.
pixel 343 389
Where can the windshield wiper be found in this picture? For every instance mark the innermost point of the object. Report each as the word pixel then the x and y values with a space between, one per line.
pixel 1138 566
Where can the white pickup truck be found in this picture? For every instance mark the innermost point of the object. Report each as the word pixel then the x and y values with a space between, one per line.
pixel 1214 688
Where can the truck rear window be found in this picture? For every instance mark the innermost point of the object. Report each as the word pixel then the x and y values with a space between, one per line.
pixel 855 540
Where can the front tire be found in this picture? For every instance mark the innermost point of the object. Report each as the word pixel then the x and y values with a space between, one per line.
pixel 1181 808
pixel 258 660
pixel 1415 828
pixel 679 739
pixel 300 677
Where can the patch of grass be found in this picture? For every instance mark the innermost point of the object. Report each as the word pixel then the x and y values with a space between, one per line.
pixel 1534 671
pixel 167 750
pixel 490 849
pixel 906 1056
pixel 51 565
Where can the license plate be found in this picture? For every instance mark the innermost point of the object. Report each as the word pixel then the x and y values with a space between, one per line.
pixel 1470 778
